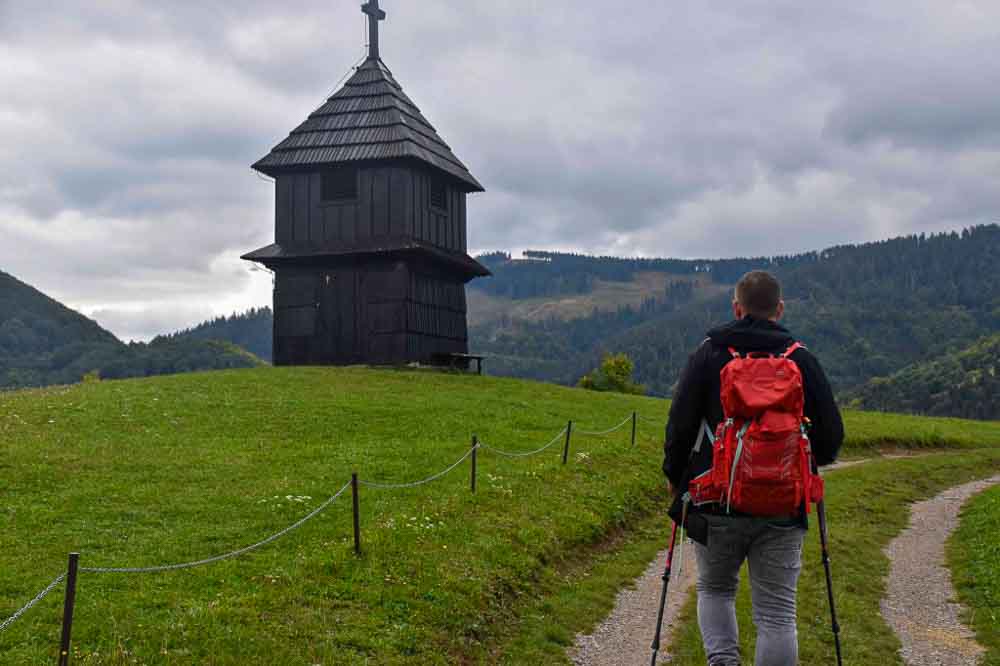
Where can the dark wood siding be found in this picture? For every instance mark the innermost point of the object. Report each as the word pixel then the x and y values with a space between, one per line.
pixel 380 203
pixel 283 209
pixel 300 208
pixel 317 218
pixel 399 196
pixel 436 316
pixel 376 309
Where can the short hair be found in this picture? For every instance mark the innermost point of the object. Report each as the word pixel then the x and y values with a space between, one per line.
pixel 759 293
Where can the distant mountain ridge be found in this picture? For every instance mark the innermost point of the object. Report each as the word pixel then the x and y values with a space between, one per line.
pixel 866 310
pixel 42 342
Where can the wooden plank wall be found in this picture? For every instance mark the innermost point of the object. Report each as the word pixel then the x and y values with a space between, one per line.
pixel 393 202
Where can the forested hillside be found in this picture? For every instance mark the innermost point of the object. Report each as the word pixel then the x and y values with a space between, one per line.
pixel 32 323
pixel 42 342
pixel 542 274
pixel 866 310
pixel 250 330
pixel 964 383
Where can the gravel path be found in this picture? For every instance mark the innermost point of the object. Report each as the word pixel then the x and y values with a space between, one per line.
pixel 919 603
pixel 623 639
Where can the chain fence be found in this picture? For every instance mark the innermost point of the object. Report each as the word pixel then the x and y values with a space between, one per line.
pixel 525 454
pixel 315 512
pixel 41 595
pixel 591 433
pixel 226 556
pixel 414 484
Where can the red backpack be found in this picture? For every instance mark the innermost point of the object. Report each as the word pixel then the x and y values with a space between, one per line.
pixel 761 459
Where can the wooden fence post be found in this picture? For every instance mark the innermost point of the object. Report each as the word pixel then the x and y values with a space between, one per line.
pixel 357 513
pixel 569 433
pixel 475 446
pixel 69 603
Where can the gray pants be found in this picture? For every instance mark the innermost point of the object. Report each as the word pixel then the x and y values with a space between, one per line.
pixel 773 548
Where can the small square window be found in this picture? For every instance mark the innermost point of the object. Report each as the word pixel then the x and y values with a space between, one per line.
pixel 439 193
pixel 339 184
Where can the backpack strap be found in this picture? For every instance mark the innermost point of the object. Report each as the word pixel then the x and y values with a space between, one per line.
pixel 791 350
pixel 702 433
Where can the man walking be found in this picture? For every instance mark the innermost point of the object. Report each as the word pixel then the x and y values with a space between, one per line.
pixel 725 538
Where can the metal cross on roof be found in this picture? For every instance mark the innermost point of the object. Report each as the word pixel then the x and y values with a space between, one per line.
pixel 375 14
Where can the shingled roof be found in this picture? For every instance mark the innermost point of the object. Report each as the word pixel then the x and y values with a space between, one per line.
pixel 370 118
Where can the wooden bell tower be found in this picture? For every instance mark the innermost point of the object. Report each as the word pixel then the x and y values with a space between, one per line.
pixel 370 253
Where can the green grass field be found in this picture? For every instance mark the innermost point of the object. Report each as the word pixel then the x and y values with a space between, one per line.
pixel 974 559
pixel 171 469
pixel 179 468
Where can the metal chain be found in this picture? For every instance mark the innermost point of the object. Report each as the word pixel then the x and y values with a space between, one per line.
pixel 41 595
pixel 414 484
pixel 511 454
pixel 209 560
pixel 605 432
pixel 649 420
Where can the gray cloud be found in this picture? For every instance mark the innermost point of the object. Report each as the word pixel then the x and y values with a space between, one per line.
pixel 677 129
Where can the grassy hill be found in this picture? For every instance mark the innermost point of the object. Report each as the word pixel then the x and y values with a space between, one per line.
pixel 42 342
pixel 173 469
pixel 963 383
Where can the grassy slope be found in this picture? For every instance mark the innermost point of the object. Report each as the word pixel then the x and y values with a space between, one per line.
pixel 164 470
pixel 974 556
pixel 145 472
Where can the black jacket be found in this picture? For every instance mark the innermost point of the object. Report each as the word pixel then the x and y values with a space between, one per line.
pixel 697 398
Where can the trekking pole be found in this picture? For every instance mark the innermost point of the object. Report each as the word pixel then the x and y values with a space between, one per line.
pixel 663 592
pixel 821 517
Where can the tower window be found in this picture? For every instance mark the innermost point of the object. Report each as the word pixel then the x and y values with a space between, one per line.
pixel 439 193
pixel 339 184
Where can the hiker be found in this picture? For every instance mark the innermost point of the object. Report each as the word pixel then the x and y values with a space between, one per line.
pixel 724 537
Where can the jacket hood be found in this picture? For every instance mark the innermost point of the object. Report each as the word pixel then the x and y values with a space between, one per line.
pixel 752 334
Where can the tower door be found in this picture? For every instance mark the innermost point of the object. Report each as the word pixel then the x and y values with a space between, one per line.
pixel 338 340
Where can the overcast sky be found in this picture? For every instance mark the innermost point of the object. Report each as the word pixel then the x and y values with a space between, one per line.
pixel 687 128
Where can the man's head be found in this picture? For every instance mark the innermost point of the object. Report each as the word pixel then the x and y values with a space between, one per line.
pixel 758 294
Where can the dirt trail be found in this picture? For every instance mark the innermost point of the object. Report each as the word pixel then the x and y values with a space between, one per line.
pixel 624 637
pixel 919 604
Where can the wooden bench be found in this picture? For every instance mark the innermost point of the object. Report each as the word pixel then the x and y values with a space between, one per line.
pixel 459 361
